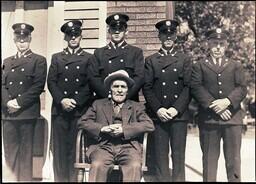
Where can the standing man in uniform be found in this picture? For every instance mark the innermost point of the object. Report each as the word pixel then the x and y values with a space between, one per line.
pixel 219 86
pixel 68 85
pixel 115 56
pixel 166 90
pixel 23 81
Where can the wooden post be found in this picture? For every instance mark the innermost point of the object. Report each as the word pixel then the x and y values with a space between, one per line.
pixel 170 9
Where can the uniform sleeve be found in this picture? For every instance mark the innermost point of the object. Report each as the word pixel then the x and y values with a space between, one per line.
pixel 149 95
pixel 56 93
pixel 142 125
pixel 138 74
pixel 37 86
pixel 240 91
pixel 95 79
pixel 197 89
pixel 183 101
pixel 5 95
pixel 88 121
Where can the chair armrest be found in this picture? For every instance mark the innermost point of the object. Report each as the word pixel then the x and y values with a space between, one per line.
pixel 78 143
pixel 144 150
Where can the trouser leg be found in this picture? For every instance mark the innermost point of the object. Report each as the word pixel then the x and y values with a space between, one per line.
pixel 161 152
pixel 178 144
pixel 60 148
pixel 231 148
pixel 210 137
pixel 102 162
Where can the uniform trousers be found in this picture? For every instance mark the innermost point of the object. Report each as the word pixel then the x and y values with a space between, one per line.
pixel 18 147
pixel 166 134
pixel 64 132
pixel 107 155
pixel 210 137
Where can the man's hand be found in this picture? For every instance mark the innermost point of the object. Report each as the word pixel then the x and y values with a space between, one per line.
pixel 106 129
pixel 13 106
pixel 220 105
pixel 68 104
pixel 163 115
pixel 117 130
pixel 172 112
pixel 225 115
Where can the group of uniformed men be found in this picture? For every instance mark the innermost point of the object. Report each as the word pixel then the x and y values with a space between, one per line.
pixel 168 79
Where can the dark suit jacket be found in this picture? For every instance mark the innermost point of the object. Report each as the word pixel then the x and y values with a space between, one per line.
pixel 167 80
pixel 24 79
pixel 209 82
pixel 67 78
pixel 135 122
pixel 108 59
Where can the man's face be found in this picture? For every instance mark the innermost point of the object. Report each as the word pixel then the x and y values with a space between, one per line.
pixel 117 34
pixel 22 42
pixel 119 91
pixel 167 40
pixel 217 47
pixel 73 40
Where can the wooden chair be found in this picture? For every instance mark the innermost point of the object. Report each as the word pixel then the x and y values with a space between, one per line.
pixel 83 167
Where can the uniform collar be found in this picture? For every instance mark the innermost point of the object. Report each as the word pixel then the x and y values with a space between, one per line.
pixel 78 51
pixel 23 54
pixel 121 45
pixel 163 52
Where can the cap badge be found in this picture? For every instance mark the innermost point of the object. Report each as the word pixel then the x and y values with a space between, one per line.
pixel 70 24
pixel 116 17
pixel 22 26
pixel 218 30
pixel 168 23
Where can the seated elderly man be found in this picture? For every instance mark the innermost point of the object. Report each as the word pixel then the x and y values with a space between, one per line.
pixel 115 129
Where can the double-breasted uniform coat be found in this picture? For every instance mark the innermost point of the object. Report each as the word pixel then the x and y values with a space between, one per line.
pixel 167 79
pixel 109 59
pixel 210 82
pixel 23 79
pixel 67 78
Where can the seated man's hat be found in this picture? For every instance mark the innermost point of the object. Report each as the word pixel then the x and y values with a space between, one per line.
pixel 117 20
pixel 118 75
pixel 72 28
pixel 22 29
pixel 218 33
pixel 167 26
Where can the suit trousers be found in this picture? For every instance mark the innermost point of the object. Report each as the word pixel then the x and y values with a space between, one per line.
pixel 18 147
pixel 210 137
pixel 166 134
pixel 64 132
pixel 107 155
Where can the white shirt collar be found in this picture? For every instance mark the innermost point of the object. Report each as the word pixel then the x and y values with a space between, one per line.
pixel 75 50
pixel 117 44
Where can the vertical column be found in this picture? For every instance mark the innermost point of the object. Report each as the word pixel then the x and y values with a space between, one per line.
pixel 170 9
pixel 19 12
pixel 54 44
pixel 102 24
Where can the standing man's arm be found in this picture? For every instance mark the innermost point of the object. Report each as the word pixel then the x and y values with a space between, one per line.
pixel 95 79
pixel 138 74
pixel 183 101
pixel 149 95
pixel 197 89
pixel 5 95
pixel 52 80
pixel 37 86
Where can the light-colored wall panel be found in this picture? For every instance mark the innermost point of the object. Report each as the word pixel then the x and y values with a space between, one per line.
pixel 81 14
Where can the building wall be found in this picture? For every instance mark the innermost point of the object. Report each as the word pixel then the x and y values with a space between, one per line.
pixel 141 26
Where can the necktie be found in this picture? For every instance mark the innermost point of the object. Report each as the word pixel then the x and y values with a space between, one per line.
pixel 116 109
pixel 218 62
pixel 73 51
pixel 168 52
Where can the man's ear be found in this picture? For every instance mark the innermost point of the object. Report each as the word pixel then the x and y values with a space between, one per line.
pixel 30 38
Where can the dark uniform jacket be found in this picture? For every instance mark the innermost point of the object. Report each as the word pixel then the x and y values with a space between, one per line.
pixel 24 79
pixel 135 123
pixel 210 82
pixel 67 78
pixel 108 59
pixel 167 79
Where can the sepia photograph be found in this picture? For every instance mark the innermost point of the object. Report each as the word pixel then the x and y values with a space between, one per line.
pixel 128 91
